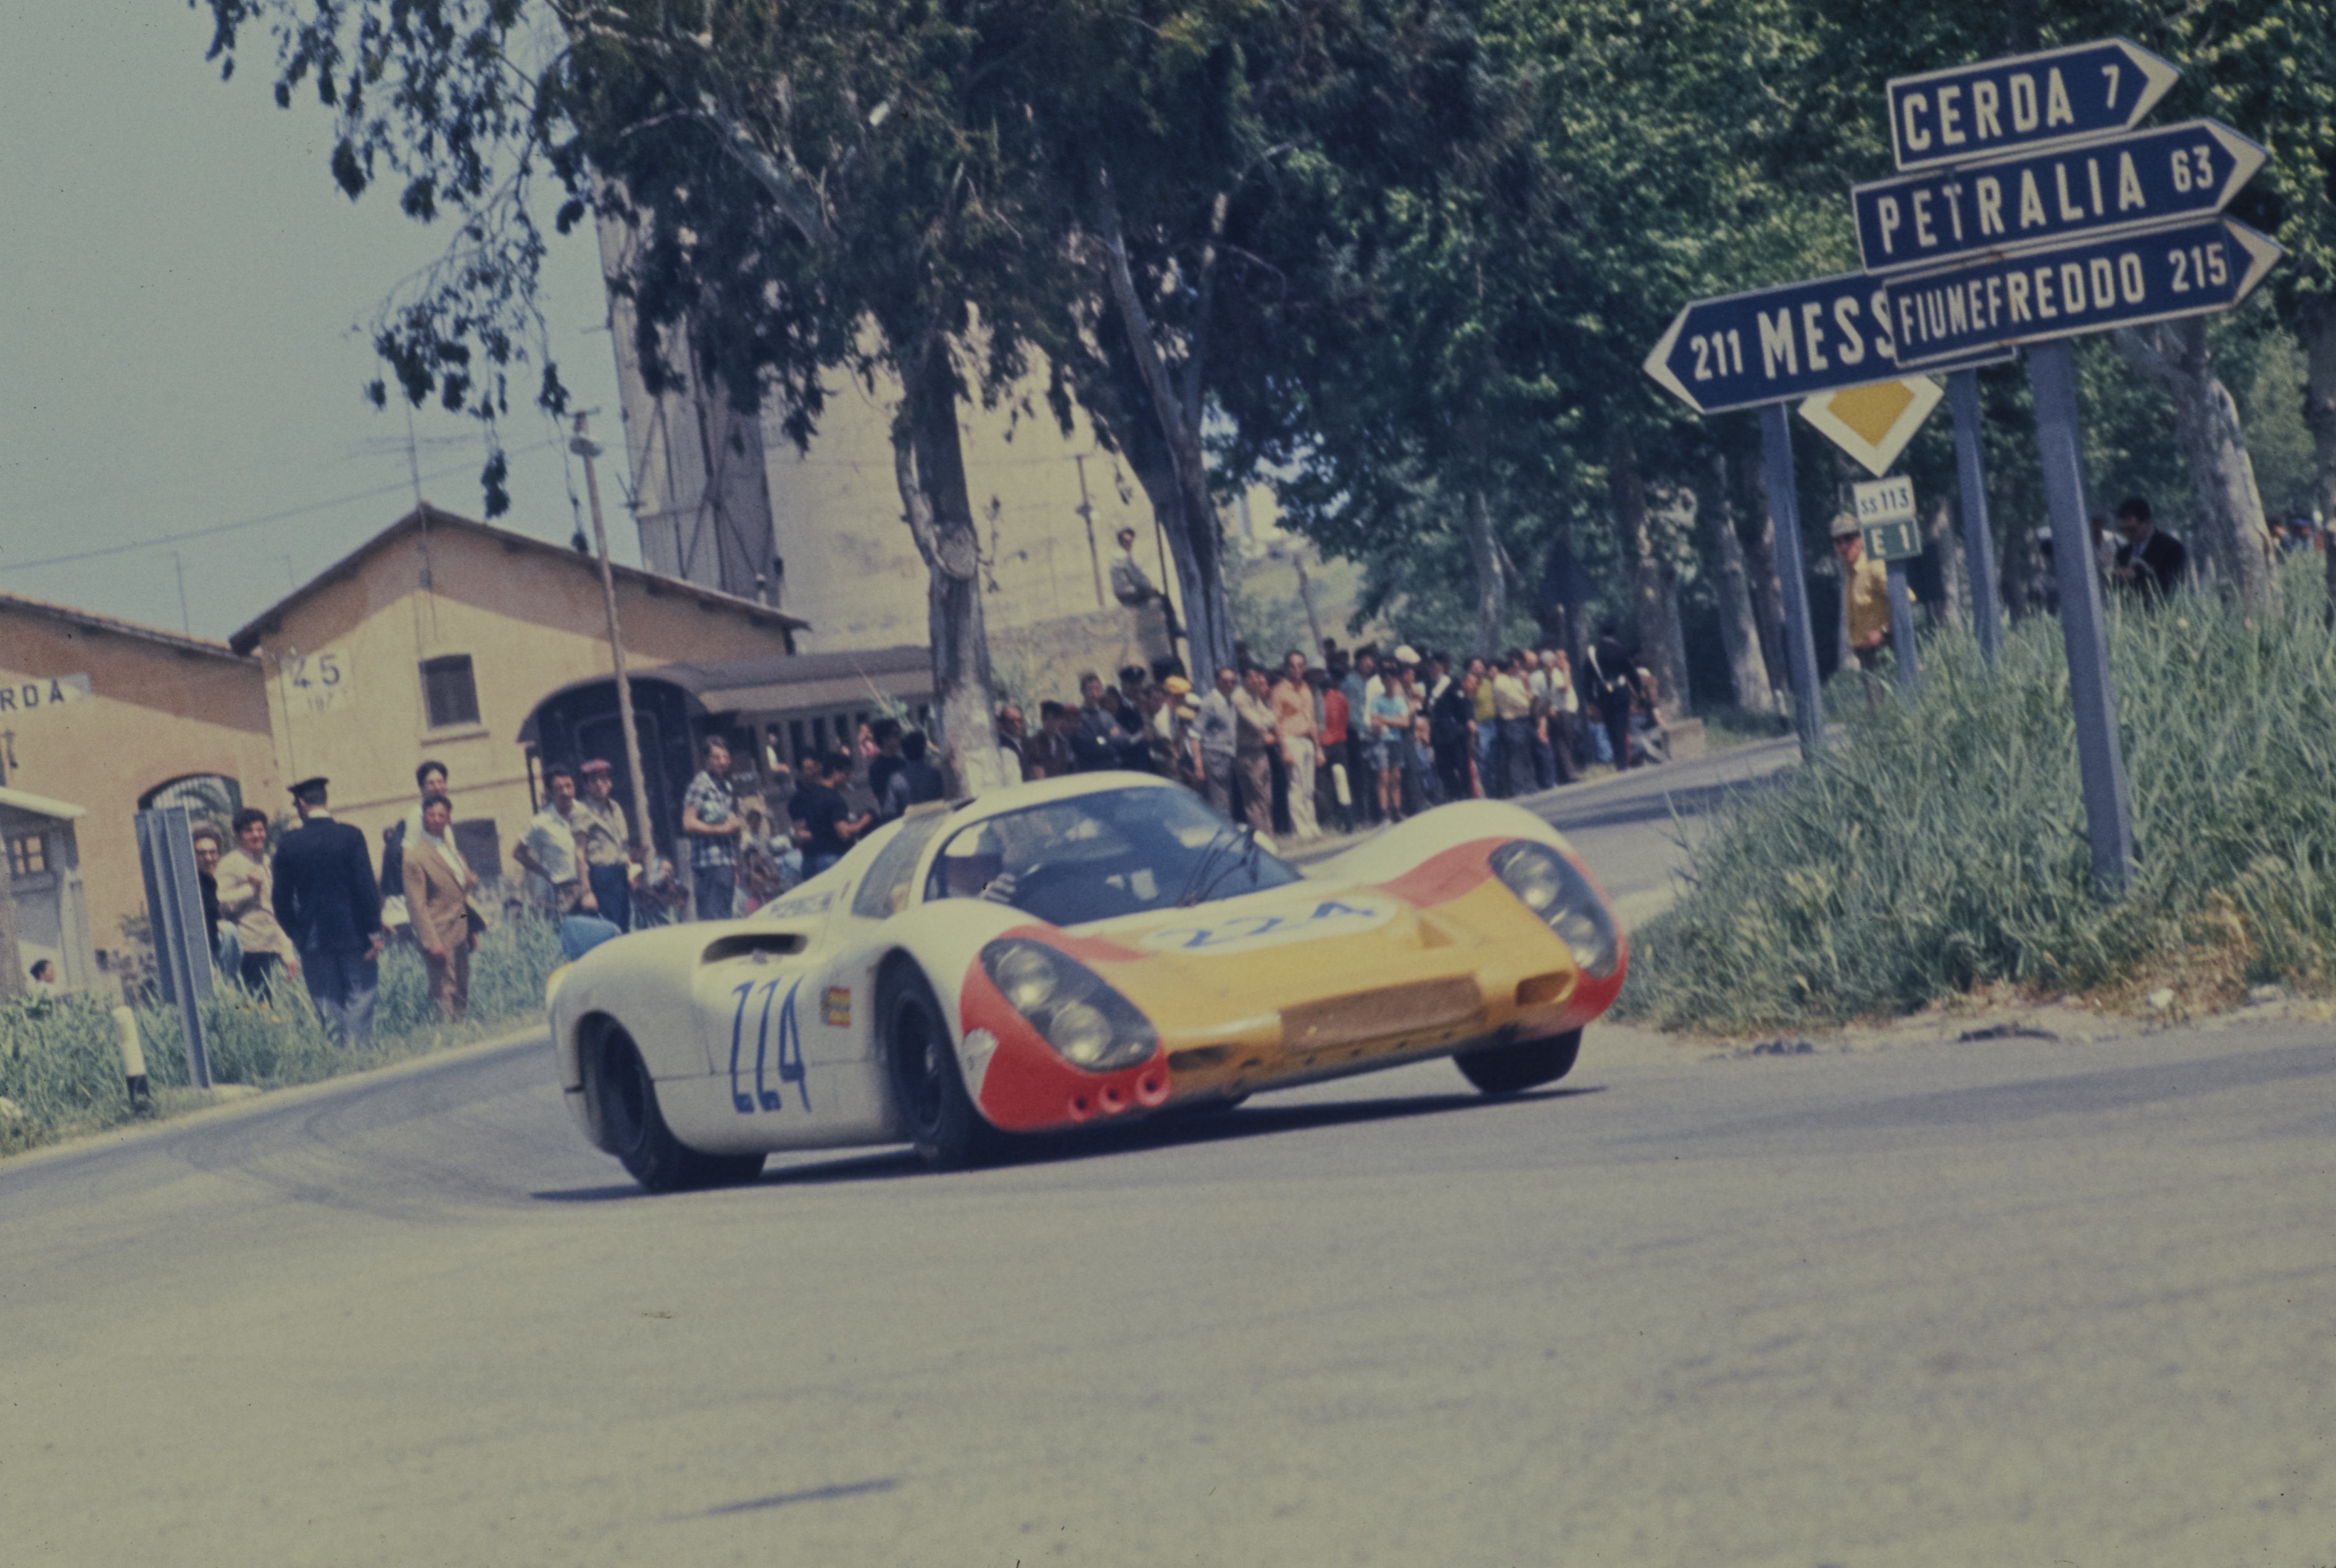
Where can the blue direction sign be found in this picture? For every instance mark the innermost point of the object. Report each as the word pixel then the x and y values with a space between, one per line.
pixel 1775 343
pixel 2023 103
pixel 2138 182
pixel 2004 301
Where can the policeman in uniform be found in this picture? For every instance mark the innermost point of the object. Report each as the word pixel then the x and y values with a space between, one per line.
pixel 328 901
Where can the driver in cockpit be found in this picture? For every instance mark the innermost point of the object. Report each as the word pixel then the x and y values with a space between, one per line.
pixel 973 866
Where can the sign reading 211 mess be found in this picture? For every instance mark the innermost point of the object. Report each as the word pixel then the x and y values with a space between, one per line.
pixel 1774 344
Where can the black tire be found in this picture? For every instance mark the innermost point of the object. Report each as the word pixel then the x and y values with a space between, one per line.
pixel 928 1085
pixel 1529 1063
pixel 627 1106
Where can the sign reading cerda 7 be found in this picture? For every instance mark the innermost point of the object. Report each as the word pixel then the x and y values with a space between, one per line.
pixel 2023 103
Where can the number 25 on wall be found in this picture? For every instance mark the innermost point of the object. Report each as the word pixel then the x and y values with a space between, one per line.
pixel 310 671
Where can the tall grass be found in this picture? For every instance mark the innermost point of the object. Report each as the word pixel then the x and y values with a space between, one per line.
pixel 1942 847
pixel 61 1068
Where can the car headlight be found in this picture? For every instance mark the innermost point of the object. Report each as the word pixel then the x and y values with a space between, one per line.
pixel 1086 1023
pixel 1553 888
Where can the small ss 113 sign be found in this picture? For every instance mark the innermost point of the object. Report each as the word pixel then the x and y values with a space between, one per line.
pixel 1886 516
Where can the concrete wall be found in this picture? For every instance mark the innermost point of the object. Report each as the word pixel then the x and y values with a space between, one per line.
pixel 155 710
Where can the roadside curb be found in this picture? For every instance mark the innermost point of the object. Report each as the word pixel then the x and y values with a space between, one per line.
pixel 242 1105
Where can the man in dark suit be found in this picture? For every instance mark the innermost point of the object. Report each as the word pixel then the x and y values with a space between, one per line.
pixel 328 901
pixel 2151 561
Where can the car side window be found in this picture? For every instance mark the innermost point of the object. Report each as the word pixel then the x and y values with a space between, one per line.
pixel 884 890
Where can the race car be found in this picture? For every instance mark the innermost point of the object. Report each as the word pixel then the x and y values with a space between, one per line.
pixel 1089 950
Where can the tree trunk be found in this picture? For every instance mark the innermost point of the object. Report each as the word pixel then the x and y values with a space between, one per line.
pixel 12 960
pixel 1748 669
pixel 2017 561
pixel 1195 542
pixel 929 465
pixel 1674 638
pixel 1649 603
pixel 2230 515
pixel 1768 588
pixel 1954 571
pixel 1492 588
pixel 2317 322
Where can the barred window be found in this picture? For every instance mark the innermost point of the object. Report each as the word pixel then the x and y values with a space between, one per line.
pixel 450 690
pixel 28 855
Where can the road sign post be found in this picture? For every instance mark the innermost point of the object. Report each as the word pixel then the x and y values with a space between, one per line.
pixel 1792 577
pixel 2100 762
pixel 1978 540
pixel 1885 522
pixel 174 917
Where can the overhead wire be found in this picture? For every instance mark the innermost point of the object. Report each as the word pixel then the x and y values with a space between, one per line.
pixel 217 528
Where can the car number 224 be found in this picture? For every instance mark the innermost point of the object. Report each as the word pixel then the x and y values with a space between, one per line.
pixel 1245 933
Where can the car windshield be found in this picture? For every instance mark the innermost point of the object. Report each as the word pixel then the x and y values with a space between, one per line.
pixel 1096 857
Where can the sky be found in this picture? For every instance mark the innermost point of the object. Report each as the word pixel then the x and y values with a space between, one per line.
pixel 183 291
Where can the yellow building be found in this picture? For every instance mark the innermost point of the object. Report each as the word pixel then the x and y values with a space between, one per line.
pixel 114 717
pixel 445 639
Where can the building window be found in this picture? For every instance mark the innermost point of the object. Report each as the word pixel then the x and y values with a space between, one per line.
pixel 481 848
pixel 452 693
pixel 28 855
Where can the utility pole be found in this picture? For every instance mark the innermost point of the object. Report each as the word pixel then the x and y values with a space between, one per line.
pixel 585 447
pixel 1086 515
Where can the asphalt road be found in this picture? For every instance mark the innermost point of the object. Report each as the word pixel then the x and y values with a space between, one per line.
pixel 2013 1303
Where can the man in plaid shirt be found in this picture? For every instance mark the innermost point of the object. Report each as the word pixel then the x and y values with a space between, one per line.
pixel 711 823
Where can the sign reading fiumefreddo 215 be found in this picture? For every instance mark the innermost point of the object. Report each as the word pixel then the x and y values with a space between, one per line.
pixel 2067 290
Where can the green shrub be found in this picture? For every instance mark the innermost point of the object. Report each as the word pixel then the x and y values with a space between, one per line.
pixel 61 1067
pixel 1943 846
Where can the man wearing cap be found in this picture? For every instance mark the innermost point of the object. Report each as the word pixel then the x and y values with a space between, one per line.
pixel 1865 593
pixel 601 834
pixel 328 903
pixel 1177 723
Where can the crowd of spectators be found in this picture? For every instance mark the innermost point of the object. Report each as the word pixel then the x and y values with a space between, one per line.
pixel 1367 737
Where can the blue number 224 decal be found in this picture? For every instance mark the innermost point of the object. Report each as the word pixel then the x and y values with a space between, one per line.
pixel 790 1062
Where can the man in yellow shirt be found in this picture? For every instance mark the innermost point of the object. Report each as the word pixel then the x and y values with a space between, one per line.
pixel 1866 593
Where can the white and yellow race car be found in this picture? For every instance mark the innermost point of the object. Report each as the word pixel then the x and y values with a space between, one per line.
pixel 1077 951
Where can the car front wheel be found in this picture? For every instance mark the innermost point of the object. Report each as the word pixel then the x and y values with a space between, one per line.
pixel 628 1107
pixel 1528 1064
pixel 939 1115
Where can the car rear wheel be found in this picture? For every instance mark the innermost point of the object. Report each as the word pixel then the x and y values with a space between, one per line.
pixel 939 1115
pixel 1528 1064
pixel 628 1107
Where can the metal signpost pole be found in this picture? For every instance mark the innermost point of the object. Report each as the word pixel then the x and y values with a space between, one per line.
pixel 1902 628
pixel 174 915
pixel 2052 374
pixel 1784 514
pixel 1979 540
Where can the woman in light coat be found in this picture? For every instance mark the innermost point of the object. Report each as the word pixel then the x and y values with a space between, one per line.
pixel 438 888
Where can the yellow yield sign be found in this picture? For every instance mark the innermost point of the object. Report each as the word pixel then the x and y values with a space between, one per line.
pixel 1874 422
